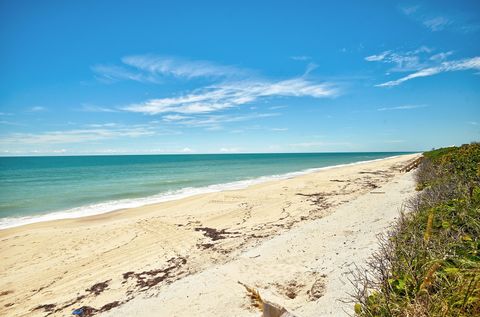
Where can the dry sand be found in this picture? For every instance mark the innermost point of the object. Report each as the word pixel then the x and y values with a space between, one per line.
pixel 292 239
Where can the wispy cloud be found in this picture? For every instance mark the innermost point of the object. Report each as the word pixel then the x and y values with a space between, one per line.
pixel 183 68
pixel 440 57
pixel 437 21
pixel 153 68
pixel 451 66
pixel 113 73
pixel 405 107
pixel 277 107
pixel 37 109
pixel 76 135
pixel 301 58
pixel 212 122
pixel 310 68
pixel 377 58
pixel 403 61
pixel 94 108
pixel 229 150
pixel 187 150
pixel 232 94
pixel 409 10
pixel 228 86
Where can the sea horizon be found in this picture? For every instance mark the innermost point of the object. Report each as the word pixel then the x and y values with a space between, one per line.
pixel 205 153
pixel 43 188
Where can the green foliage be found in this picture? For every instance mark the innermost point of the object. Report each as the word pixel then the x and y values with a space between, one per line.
pixel 430 264
pixel 435 154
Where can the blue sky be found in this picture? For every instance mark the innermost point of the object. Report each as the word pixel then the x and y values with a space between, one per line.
pixel 106 77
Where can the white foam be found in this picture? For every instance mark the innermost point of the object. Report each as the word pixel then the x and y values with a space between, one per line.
pixel 109 206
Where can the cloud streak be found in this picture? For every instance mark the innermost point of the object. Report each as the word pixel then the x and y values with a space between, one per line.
pixel 77 135
pixel 181 68
pixel 112 73
pixel 451 66
pixel 37 109
pixel 213 122
pixel 94 108
pixel 232 94
pixel 403 61
pixel 153 69
pixel 406 107
pixel 436 22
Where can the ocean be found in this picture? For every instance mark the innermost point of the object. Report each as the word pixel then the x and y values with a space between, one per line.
pixel 34 189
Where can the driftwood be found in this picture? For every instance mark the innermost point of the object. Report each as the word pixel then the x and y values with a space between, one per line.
pixel 274 310
pixel 268 308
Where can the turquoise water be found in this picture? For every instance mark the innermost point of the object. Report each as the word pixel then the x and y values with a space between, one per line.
pixel 41 188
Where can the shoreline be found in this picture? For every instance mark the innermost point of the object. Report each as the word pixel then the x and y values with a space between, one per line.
pixel 305 269
pixel 108 260
pixel 108 207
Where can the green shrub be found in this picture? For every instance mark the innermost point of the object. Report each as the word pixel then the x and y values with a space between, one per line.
pixel 429 265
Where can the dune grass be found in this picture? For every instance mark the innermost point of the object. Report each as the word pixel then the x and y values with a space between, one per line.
pixel 429 263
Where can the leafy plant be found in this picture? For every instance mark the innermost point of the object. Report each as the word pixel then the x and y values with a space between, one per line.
pixel 429 264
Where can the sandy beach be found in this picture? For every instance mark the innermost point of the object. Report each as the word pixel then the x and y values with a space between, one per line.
pixel 293 239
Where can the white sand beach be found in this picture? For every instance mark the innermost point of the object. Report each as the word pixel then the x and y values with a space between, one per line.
pixel 294 240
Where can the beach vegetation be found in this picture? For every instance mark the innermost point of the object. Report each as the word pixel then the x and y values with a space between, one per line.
pixel 428 264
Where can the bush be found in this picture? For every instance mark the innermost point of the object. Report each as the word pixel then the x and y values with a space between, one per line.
pixel 429 264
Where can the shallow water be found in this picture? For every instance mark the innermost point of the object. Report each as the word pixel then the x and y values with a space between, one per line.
pixel 43 188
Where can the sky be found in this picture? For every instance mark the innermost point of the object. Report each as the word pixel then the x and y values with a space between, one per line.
pixel 153 77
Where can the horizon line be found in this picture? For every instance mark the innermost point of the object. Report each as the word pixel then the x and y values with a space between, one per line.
pixel 206 153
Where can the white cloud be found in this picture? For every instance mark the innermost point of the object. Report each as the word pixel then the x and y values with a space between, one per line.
pixel 213 122
pixel 229 150
pixel 277 107
pixel 377 58
pixel 153 68
pixel 451 66
pixel 310 68
pixel 434 21
pixel 76 135
pixel 405 107
pixel 103 125
pixel 440 57
pixel 279 129
pixel 112 73
pixel 175 117
pixel 93 108
pixel 437 23
pixel 301 58
pixel 37 109
pixel 169 66
pixel 410 10
pixel 403 61
pixel 234 87
pixel 232 94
